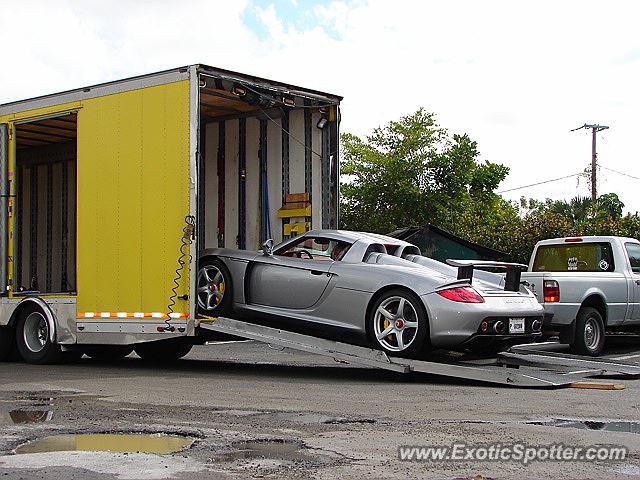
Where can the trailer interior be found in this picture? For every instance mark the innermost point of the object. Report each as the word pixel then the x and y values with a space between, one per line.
pixel 264 148
pixel 45 186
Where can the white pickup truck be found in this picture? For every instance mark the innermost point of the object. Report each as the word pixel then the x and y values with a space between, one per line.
pixel 588 286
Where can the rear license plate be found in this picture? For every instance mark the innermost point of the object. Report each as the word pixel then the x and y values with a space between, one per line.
pixel 516 325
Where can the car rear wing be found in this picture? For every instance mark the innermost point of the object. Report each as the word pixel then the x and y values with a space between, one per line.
pixel 512 280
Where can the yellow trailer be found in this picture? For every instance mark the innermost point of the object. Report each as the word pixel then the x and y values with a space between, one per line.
pixel 109 192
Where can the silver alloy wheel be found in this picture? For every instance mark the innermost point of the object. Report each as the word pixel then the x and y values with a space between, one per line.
pixel 35 332
pixel 395 324
pixel 592 333
pixel 211 285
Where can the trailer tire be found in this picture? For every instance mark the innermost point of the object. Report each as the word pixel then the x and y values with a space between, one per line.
pixel 589 333
pixel 213 284
pixel 7 343
pixel 163 351
pixel 33 338
pixel 108 353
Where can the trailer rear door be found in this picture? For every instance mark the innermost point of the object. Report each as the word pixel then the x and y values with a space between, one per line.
pixel 133 198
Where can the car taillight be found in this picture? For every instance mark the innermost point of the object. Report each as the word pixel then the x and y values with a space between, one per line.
pixel 551 291
pixel 462 294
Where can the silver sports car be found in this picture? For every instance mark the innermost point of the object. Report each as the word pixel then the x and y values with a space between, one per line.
pixel 378 288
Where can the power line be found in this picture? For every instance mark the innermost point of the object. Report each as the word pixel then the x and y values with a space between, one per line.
pixel 541 183
pixel 620 173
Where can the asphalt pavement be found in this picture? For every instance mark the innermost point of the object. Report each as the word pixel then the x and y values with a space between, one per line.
pixel 257 412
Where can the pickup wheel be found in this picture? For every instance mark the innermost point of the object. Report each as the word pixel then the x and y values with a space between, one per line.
pixel 589 333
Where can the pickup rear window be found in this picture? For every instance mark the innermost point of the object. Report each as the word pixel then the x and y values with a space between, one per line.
pixel 633 250
pixel 574 257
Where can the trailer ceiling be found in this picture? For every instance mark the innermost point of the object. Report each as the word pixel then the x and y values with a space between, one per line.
pixel 217 103
pixel 47 131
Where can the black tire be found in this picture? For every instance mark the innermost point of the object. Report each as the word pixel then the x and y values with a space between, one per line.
pixel 415 340
pixel 107 353
pixel 7 343
pixel 589 333
pixel 206 300
pixel 71 356
pixel 163 351
pixel 33 338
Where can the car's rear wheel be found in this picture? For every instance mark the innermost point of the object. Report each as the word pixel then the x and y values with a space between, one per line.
pixel 398 323
pixel 589 332
pixel 33 338
pixel 214 288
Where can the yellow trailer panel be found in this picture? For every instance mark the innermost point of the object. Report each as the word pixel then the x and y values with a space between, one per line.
pixel 133 190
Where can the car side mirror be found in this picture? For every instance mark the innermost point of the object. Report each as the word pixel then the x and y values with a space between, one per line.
pixel 267 247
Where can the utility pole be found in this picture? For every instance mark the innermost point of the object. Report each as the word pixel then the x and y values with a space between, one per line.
pixel 595 128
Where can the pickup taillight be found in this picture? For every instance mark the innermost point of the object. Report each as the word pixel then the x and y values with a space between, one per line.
pixel 551 291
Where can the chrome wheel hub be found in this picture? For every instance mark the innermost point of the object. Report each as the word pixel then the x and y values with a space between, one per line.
pixel 591 334
pixel 210 287
pixel 35 332
pixel 396 324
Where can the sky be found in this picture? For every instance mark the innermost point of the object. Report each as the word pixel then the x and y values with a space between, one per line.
pixel 516 76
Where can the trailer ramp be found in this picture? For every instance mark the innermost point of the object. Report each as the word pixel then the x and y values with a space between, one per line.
pixel 544 357
pixel 485 372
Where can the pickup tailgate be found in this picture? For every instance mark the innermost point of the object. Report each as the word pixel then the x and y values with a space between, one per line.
pixel 535 283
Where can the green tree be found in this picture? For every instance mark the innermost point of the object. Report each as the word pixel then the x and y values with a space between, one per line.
pixel 411 172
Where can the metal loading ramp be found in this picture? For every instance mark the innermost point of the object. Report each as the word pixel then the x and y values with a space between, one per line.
pixel 531 356
pixel 485 371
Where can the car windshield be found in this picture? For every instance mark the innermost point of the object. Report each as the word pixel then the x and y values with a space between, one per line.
pixel 315 248
pixel 574 257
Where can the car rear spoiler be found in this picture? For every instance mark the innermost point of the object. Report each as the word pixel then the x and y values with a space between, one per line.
pixel 512 280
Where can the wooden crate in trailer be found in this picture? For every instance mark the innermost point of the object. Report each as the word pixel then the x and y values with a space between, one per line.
pixel 109 192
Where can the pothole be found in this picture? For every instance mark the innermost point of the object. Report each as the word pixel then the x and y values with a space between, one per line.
pixel 108 442
pixel 21 416
pixel 311 418
pixel 271 449
pixel 621 426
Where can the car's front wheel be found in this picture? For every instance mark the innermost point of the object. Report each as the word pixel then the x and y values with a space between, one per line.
pixel 398 323
pixel 213 288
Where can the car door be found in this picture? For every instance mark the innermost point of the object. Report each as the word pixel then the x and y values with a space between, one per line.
pixel 633 252
pixel 287 282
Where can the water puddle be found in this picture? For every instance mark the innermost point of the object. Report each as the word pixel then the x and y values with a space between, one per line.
pixel 278 449
pixel 599 425
pixel 16 417
pixel 108 442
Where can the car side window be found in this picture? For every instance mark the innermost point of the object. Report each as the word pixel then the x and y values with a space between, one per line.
pixel 633 251
pixel 315 248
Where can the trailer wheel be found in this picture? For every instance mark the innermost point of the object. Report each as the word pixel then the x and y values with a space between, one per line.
pixel 33 338
pixel 163 351
pixel 589 332
pixel 214 288
pixel 108 353
pixel 398 324
pixel 7 342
